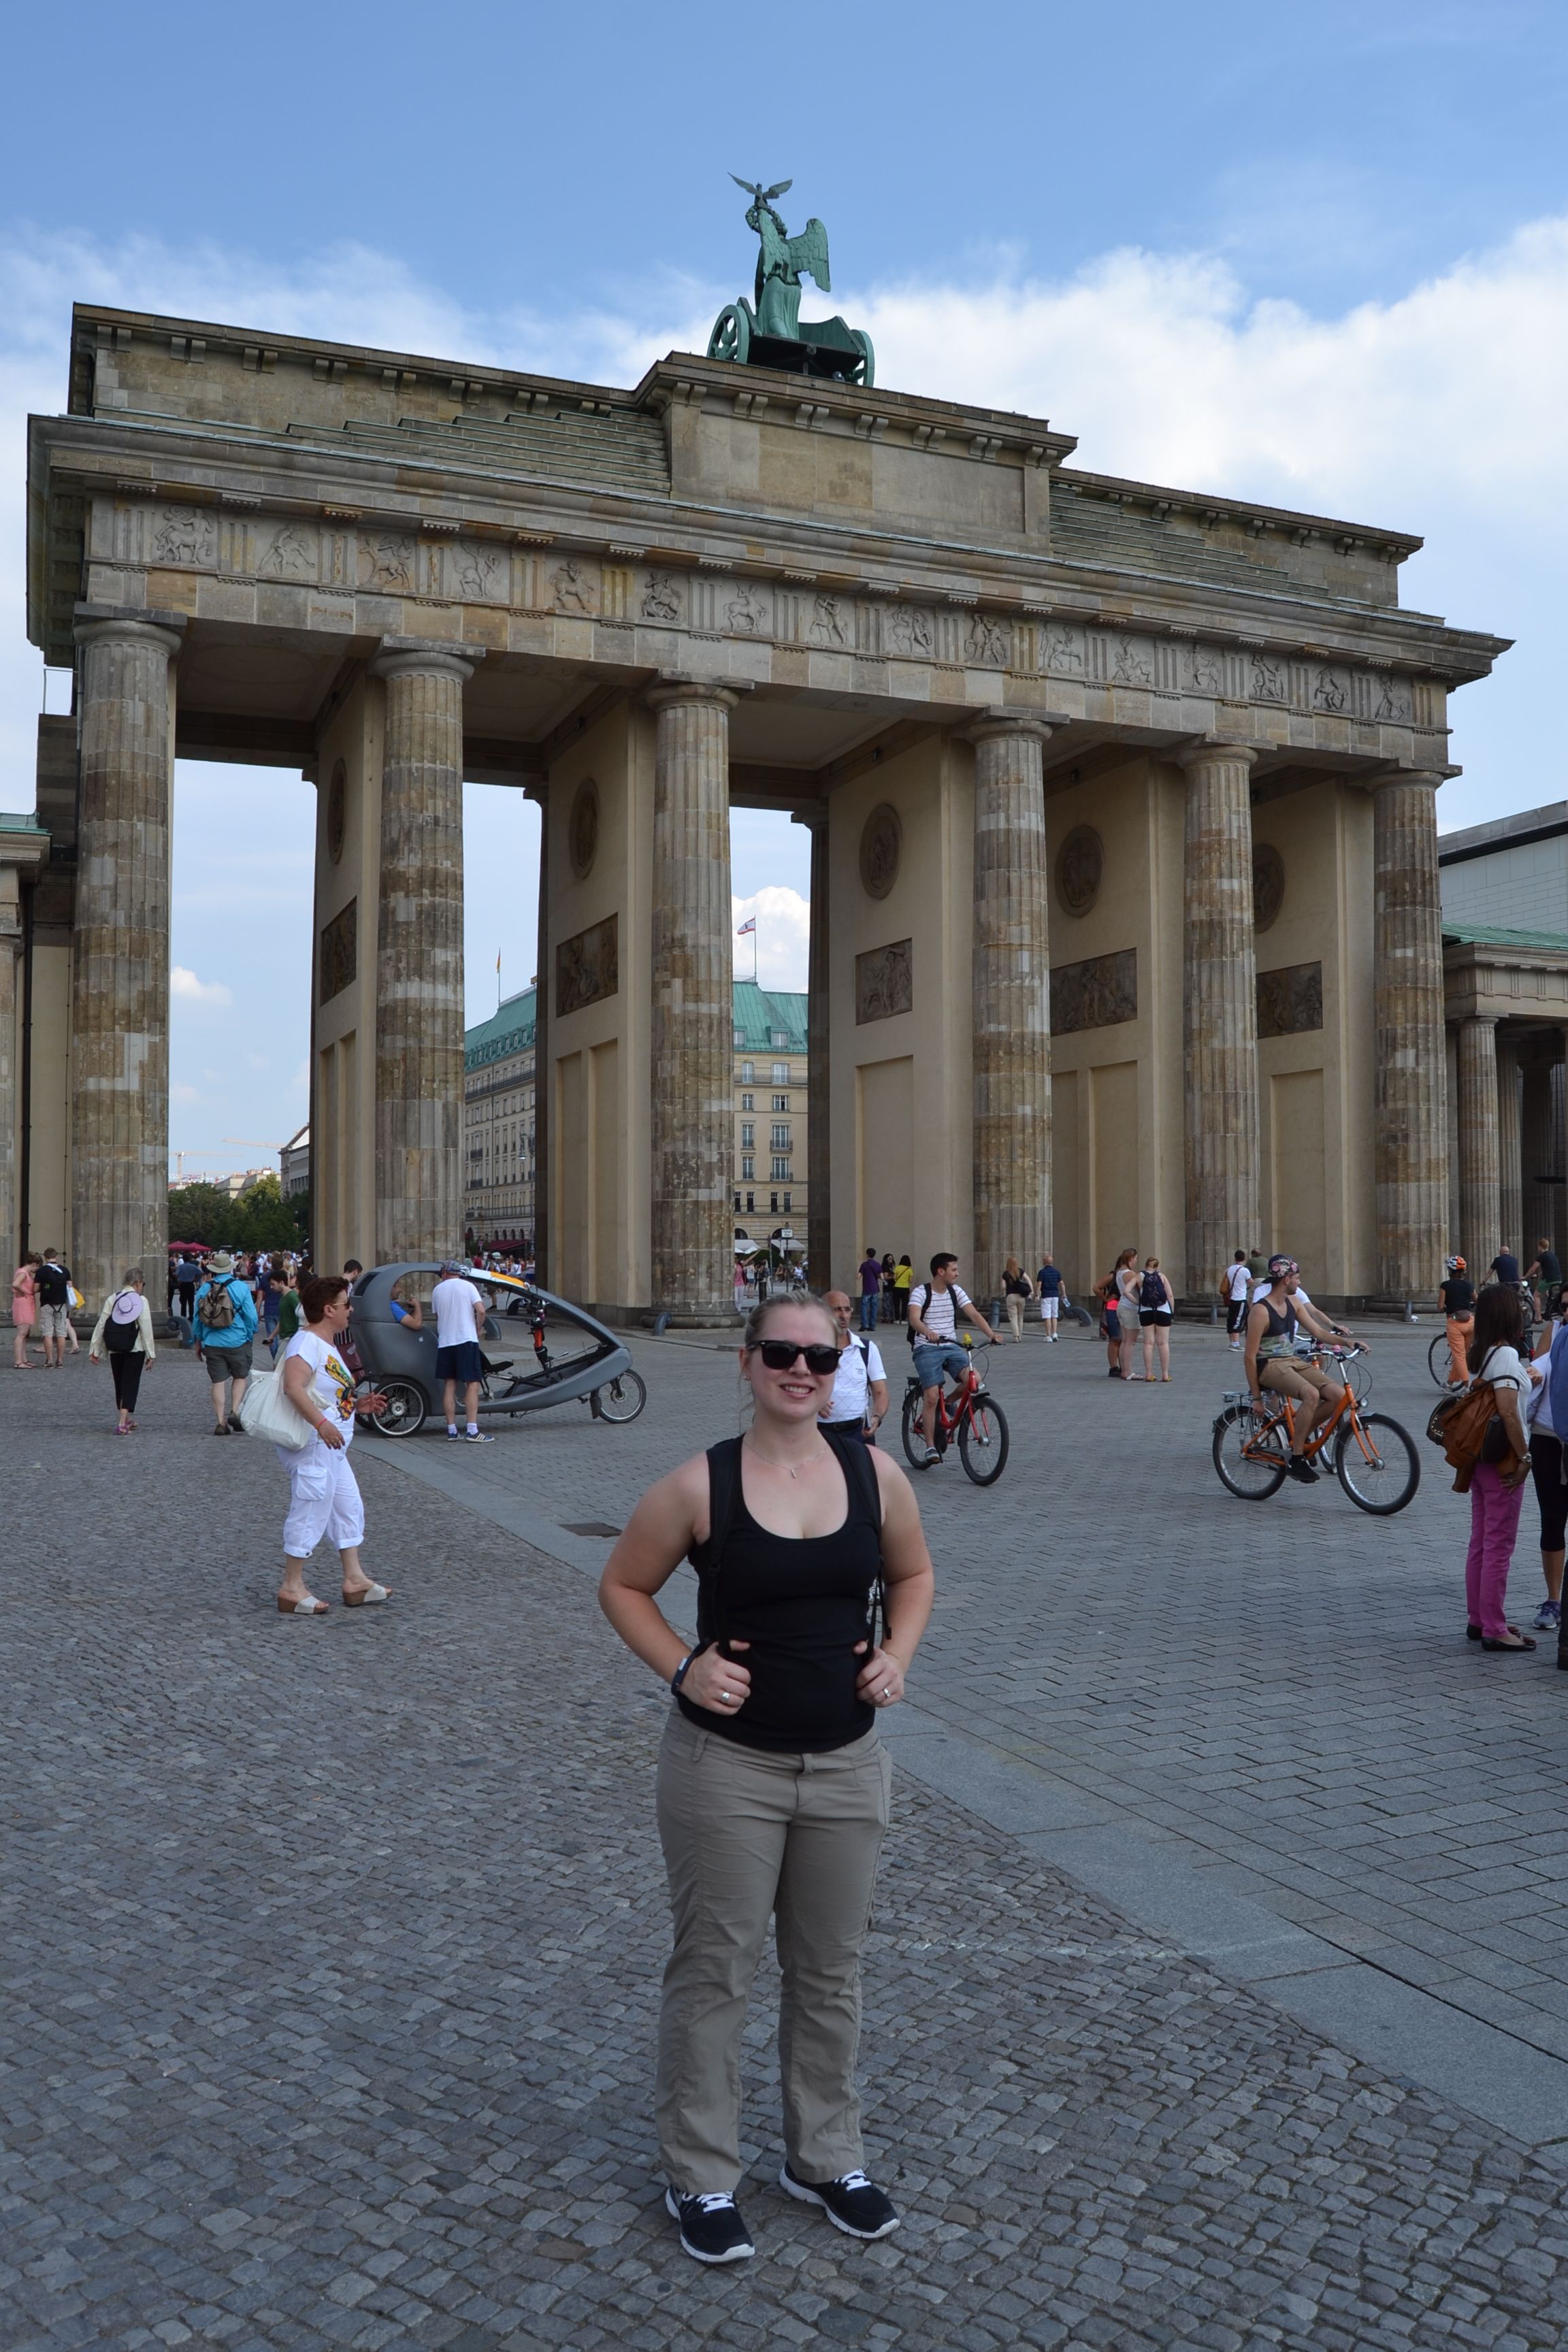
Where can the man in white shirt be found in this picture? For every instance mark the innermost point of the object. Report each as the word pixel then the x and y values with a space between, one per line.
pixel 460 1319
pixel 858 1405
pixel 1237 1281
pixel 934 1307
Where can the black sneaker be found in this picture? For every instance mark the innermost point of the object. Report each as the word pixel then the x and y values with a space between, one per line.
pixel 1302 1470
pixel 237 1426
pixel 711 2229
pixel 852 2204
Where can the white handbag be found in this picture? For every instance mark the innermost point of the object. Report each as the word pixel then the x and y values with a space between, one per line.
pixel 265 1412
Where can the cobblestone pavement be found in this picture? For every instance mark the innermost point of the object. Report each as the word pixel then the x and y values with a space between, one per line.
pixel 331 1954
pixel 1281 1693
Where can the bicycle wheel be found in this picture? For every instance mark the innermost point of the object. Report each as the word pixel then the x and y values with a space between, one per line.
pixel 1439 1359
pixel 621 1399
pixel 404 1413
pixel 1381 1470
pixel 982 1440
pixel 910 1430
pixel 1249 1458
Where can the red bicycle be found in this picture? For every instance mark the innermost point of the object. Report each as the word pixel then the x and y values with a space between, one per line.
pixel 967 1411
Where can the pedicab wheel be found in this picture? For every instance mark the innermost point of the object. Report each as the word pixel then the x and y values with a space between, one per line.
pixel 983 1442
pixel 1439 1359
pixel 1381 1470
pixel 910 1431
pixel 405 1412
pixel 1252 1466
pixel 621 1399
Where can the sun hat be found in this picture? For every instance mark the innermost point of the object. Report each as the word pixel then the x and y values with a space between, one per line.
pixel 220 1264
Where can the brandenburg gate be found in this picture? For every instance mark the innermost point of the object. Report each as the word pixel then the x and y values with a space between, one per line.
pixel 1125 902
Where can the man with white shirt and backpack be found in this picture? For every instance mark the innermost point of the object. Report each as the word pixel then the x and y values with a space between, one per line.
pixel 858 1405
pixel 933 1335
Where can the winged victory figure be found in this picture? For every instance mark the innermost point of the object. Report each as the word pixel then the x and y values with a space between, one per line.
pixel 783 259
pixel 773 334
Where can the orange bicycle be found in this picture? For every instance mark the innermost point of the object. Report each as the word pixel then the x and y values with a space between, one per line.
pixel 1373 1457
pixel 969 1413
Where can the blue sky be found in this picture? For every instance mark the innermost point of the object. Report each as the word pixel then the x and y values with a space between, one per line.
pixel 1316 254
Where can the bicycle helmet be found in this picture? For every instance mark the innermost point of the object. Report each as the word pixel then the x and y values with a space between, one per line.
pixel 1453 1265
pixel 1281 1266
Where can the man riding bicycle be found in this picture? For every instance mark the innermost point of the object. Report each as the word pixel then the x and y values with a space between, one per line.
pixel 1271 1362
pixel 933 1335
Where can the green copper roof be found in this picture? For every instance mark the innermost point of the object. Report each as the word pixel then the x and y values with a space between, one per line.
pixel 1482 935
pixel 509 1030
pixel 765 1015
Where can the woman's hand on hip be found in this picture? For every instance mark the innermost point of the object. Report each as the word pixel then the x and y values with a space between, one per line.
pixel 332 1438
pixel 721 1685
pixel 881 1680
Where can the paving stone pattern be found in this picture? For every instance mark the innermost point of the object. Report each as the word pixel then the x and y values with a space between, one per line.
pixel 329 1967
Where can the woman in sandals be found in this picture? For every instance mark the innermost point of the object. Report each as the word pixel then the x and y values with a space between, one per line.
pixel 773 1785
pixel 324 1495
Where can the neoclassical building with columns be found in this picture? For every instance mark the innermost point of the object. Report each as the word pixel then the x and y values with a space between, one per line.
pixel 1125 910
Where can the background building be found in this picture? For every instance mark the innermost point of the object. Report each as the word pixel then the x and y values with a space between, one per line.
pixel 294 1163
pixel 499 1132
pixel 1505 983
pixel 770 1072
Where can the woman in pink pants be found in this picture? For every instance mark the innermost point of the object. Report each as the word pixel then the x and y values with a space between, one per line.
pixel 1496 1483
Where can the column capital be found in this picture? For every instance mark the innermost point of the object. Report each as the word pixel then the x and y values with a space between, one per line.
pixel 671 690
pixel 425 658
pixel 814 819
pixel 1209 749
pixel 1427 779
pixel 97 625
pixel 1031 726
pixel 1480 1021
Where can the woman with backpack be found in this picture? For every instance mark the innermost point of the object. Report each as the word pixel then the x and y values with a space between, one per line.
pixel 124 1328
pixel 773 1787
pixel 1497 1480
pixel 1156 1313
pixel 1018 1290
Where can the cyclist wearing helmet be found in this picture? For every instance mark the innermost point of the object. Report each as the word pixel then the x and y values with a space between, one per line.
pixel 1458 1297
pixel 1271 1326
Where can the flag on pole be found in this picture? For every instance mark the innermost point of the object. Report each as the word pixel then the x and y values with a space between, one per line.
pixel 749 925
pixel 497 963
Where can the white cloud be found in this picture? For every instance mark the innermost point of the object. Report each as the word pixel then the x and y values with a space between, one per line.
pixel 782 936
pixel 186 989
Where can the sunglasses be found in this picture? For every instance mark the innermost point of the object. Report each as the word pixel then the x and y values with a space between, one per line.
pixel 780 1356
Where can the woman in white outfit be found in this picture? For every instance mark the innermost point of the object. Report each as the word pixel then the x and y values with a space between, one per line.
pixel 323 1495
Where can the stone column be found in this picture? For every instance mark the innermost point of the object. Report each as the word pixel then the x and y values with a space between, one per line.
pixel 1540 1198
pixel 1220 1015
pixel 1409 1116
pixel 419 953
pixel 120 965
pixel 1480 1233
pixel 543 1061
pixel 1011 1002
pixel 1510 1163
pixel 819 1088
pixel 693 1009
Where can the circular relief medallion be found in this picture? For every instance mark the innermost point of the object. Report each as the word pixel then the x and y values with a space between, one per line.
pixel 1080 869
pixel 337 811
pixel 1268 885
pixel 881 845
pixel 583 828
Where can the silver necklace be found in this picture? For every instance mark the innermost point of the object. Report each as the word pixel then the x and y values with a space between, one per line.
pixel 771 1465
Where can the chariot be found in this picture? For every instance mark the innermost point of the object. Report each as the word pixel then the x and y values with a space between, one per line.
pixel 771 335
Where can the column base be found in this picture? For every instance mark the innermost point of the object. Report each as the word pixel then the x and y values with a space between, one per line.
pixel 691 1315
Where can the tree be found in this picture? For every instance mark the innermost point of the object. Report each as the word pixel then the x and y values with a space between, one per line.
pixel 259 1219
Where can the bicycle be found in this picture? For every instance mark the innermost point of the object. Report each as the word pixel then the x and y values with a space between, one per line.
pixel 1439 1361
pixel 1252 1447
pixel 970 1413
pixel 1345 1361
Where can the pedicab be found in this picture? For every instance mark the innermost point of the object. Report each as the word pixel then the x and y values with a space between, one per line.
pixel 571 1357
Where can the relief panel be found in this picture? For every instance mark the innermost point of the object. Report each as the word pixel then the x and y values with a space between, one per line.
pixel 1098 993
pixel 340 951
pixel 1291 1000
pixel 587 967
pixel 884 982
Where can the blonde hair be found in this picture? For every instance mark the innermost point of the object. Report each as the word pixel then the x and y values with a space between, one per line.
pixel 757 1321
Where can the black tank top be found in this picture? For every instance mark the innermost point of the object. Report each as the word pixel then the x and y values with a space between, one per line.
pixel 801 1603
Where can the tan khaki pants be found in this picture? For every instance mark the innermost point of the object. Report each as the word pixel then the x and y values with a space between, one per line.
pixel 746 1833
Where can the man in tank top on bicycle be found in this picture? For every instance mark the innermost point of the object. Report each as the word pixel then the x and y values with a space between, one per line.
pixel 1271 1362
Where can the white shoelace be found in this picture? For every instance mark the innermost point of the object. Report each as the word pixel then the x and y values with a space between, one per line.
pixel 715 2201
pixel 852 2181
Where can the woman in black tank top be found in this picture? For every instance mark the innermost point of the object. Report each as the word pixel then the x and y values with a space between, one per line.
pixel 813 1588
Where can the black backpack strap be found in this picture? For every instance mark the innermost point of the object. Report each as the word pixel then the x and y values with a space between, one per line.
pixel 708 1558
pixel 860 1468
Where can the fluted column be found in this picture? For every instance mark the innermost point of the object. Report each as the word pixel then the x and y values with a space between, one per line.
pixel 1219 1006
pixel 419 953
pixel 1510 1163
pixel 818 1080
pixel 119 955
pixel 1011 1002
pixel 1540 1197
pixel 1480 1234
pixel 1409 1071
pixel 693 1007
